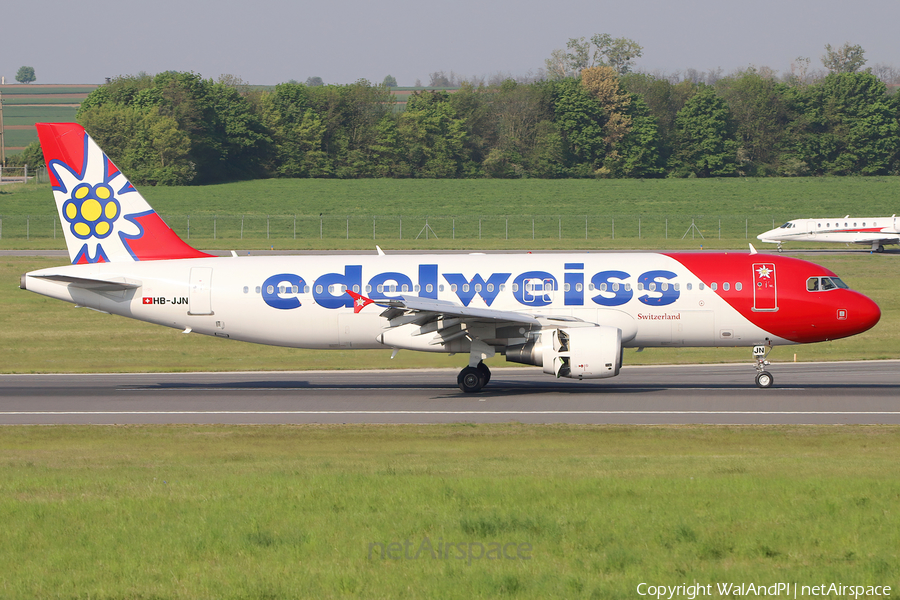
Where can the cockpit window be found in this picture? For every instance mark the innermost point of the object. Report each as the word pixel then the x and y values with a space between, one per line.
pixel 787 225
pixel 824 284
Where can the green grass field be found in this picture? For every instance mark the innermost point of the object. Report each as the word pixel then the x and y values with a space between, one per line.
pixel 224 512
pixel 476 214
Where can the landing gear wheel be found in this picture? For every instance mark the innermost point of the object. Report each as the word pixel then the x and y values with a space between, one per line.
pixel 485 372
pixel 879 249
pixel 764 379
pixel 471 380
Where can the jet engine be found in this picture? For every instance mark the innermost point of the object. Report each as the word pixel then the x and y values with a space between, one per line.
pixel 577 353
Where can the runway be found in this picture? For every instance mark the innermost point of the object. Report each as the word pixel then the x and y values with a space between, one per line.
pixel 814 393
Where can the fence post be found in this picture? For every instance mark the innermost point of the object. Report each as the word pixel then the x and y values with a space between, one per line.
pixel 454 228
pixel 28 227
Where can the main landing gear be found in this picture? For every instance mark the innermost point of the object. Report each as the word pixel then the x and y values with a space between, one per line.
pixel 764 379
pixel 472 379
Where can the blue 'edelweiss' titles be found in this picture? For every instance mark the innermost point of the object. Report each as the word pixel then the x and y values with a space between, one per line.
pixel 531 288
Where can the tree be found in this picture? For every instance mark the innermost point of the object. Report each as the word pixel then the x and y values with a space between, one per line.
pixel 434 136
pixel 580 118
pixel 846 59
pixel 704 137
pixel 25 75
pixel 389 81
pixel 618 53
pixel 314 81
pixel 758 107
pixel 847 125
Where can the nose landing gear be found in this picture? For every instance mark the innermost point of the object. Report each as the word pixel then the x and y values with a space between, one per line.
pixel 764 379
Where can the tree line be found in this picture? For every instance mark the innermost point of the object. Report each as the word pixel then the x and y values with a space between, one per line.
pixel 598 120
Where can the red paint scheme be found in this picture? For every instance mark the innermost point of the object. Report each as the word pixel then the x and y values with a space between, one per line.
pixel 64 142
pixel 801 316
pixel 159 242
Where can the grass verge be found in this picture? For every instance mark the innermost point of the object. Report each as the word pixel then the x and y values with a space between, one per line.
pixel 293 511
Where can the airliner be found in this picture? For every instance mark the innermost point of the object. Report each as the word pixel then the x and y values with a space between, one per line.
pixel 569 313
pixel 876 232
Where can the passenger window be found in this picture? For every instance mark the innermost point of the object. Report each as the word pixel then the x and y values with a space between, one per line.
pixel 477 287
pixel 714 286
pixel 429 288
pixel 246 289
pixel 490 287
pixel 726 286
pixel 689 286
pixel 270 289
pixel 578 287
pixel 738 286
pixel 700 286
pixel 627 287
pixel 258 289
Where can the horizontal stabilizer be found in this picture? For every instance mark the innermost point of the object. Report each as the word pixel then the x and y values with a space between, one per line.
pixel 118 284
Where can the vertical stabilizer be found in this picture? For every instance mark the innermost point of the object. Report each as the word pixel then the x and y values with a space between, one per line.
pixel 104 218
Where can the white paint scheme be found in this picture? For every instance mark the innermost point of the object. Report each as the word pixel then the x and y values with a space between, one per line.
pixel 876 232
pixel 229 312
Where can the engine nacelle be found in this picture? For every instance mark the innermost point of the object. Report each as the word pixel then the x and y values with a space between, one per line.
pixel 578 352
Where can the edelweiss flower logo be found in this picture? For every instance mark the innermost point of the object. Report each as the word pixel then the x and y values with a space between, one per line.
pixel 764 272
pixel 98 204
pixel 92 211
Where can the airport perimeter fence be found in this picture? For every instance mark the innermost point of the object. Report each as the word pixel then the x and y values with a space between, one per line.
pixel 386 227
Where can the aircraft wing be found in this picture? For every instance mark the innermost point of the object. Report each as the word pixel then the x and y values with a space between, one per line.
pixel 427 307
pixel 417 316
pixel 872 238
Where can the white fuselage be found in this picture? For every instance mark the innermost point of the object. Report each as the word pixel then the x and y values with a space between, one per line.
pixel 847 230
pixel 299 301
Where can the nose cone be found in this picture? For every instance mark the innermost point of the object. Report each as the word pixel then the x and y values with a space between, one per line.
pixel 865 314
pixel 767 236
